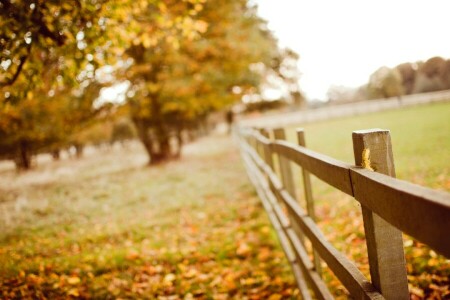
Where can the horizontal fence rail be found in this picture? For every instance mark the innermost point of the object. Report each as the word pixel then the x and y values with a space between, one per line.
pixel 389 205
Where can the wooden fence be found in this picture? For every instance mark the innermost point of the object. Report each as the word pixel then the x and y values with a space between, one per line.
pixel 389 207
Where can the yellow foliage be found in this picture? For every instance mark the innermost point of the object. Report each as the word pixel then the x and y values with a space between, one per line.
pixel 366 159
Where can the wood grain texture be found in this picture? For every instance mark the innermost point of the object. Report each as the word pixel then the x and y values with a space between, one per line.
pixel 384 241
pixel 307 189
pixel 268 156
pixel 330 170
pixel 418 211
pixel 285 165
pixel 355 282
pixel 317 285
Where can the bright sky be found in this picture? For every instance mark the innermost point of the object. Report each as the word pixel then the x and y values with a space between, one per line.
pixel 343 42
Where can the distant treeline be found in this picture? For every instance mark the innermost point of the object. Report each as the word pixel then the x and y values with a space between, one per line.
pixel 169 65
pixel 405 79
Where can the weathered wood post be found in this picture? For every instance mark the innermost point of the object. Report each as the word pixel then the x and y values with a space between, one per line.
pixel 285 167
pixel 268 158
pixel 268 154
pixel 373 150
pixel 308 196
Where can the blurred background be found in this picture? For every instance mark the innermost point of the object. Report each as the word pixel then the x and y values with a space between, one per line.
pixel 93 90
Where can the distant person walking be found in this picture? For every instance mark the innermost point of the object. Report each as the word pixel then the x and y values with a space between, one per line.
pixel 230 118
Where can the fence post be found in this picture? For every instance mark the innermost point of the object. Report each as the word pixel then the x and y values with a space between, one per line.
pixel 309 196
pixel 373 149
pixel 286 176
pixel 267 152
pixel 285 168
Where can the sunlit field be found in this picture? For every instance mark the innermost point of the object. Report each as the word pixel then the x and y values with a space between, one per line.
pixel 420 139
pixel 421 143
pixel 106 226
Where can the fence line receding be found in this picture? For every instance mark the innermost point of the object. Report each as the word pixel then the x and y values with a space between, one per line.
pixel 389 207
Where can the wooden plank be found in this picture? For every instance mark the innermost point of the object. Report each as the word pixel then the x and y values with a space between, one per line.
pixel 317 285
pixel 306 179
pixel 299 275
pixel 285 166
pixel 349 275
pixel 398 202
pixel 330 170
pixel 420 212
pixel 373 150
pixel 268 156
pixel 268 201
pixel 307 188
pixel 301 282
pixel 358 286
pixel 300 260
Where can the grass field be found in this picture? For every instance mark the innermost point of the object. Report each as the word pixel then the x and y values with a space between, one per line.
pixel 107 227
pixel 420 138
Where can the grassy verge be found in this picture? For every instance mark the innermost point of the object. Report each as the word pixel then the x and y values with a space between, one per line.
pixel 106 227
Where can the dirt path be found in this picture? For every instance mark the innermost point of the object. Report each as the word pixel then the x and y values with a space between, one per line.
pixel 107 227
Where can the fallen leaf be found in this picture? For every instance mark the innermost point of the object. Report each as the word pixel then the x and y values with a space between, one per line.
pixel 132 255
pixel 190 274
pixel 73 292
pixel 243 249
pixel 73 280
pixel 275 297
pixel 169 277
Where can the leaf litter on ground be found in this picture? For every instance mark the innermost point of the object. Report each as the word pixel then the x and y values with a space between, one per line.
pixel 107 227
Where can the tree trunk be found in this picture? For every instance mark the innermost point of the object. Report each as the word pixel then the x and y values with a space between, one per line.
pixel 56 154
pixel 144 137
pixel 79 150
pixel 23 158
pixel 156 132
pixel 164 152
pixel 157 144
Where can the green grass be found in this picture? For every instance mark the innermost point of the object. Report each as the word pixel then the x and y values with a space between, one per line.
pixel 420 138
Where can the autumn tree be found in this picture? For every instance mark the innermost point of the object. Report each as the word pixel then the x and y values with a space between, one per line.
pixel 408 72
pixel 178 79
pixel 284 70
pixel 384 83
pixel 45 120
pixel 50 52
pixel 183 59
pixel 432 75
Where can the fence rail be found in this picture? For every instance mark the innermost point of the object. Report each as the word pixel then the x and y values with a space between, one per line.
pixel 389 206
